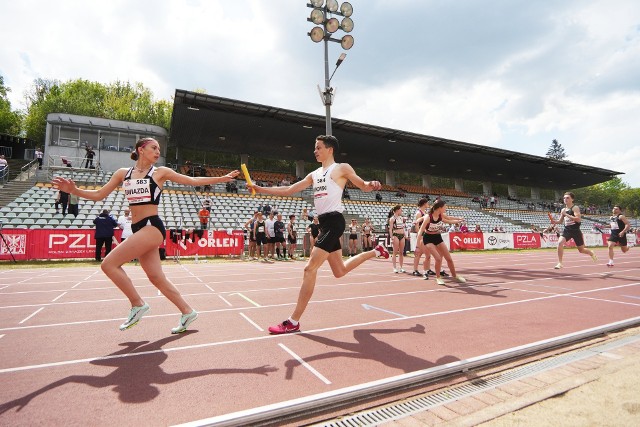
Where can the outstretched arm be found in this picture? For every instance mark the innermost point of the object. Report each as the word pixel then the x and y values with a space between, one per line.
pixel 69 186
pixel 168 174
pixel 283 191
pixel 346 171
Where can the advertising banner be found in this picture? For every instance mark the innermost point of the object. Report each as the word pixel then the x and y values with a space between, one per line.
pixel 498 240
pixel 526 240
pixel 465 241
pixel 27 244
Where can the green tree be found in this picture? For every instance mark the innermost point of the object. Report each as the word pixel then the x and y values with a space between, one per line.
pixel 10 121
pixel 629 200
pixel 556 151
pixel 116 101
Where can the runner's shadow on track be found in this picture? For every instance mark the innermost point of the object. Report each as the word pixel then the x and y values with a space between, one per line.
pixel 368 347
pixel 134 377
pixel 499 274
pixel 471 290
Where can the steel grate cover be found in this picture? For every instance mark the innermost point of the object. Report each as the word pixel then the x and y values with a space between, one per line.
pixel 404 409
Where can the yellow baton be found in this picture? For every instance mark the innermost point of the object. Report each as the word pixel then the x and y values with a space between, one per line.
pixel 245 171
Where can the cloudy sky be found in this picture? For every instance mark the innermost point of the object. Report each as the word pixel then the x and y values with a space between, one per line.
pixel 511 74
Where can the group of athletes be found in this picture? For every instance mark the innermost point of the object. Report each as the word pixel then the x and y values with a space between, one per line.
pixel 143 182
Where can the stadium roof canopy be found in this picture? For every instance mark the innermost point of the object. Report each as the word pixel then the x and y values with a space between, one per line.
pixel 211 123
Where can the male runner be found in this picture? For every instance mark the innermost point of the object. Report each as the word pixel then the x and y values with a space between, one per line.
pixel 328 182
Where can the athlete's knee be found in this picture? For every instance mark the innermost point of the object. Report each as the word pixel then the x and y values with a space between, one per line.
pixel 625 249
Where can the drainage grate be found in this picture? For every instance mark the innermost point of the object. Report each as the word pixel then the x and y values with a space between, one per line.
pixel 407 408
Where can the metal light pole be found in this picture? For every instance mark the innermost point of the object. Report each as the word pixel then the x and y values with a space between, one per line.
pixel 320 15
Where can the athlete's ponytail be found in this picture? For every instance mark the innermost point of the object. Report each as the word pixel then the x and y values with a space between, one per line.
pixel 437 205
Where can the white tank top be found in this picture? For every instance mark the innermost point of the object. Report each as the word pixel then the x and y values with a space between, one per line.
pixel 327 194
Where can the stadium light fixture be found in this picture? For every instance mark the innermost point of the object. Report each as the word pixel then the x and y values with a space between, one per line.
pixel 326 26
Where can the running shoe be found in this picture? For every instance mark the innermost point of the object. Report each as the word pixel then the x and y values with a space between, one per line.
pixel 135 315
pixel 594 258
pixel 558 266
pixel 285 327
pixel 395 270
pixel 185 321
pixel 402 270
pixel 440 281
pixel 430 273
pixel 460 279
pixel 381 251
pixel 416 273
pixel 444 273
pixel 609 264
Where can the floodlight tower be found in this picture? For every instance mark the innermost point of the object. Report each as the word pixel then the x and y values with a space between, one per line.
pixel 326 26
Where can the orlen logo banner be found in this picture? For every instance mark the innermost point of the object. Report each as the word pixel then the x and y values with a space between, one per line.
pixel 526 240
pixel 213 242
pixel 464 241
pixel 498 240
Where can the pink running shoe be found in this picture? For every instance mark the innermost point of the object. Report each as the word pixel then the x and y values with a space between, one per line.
pixel 381 251
pixel 285 327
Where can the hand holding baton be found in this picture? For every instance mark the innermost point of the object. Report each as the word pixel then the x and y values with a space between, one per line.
pixel 245 171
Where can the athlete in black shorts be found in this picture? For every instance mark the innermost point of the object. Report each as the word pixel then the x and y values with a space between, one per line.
pixel 570 216
pixel 328 182
pixel 619 225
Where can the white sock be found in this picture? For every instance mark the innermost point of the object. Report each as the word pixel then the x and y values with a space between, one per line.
pixel 610 261
pixel 293 322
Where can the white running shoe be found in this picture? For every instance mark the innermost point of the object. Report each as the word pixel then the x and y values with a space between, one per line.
pixel 558 266
pixel 395 270
pixel 609 264
pixel 439 281
pixel 594 258
pixel 460 279
pixel 185 321
pixel 135 315
pixel 402 270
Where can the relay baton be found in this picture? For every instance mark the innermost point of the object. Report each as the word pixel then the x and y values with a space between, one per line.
pixel 245 171
pixel 550 217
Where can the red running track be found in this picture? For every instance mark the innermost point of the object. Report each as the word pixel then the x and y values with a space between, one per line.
pixel 64 362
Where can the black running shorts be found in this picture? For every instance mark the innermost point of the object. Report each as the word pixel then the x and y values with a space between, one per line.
pixel 616 238
pixel 332 226
pixel 436 239
pixel 150 220
pixel 575 234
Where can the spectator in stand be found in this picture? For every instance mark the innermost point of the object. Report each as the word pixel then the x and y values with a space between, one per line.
pixel 477 229
pixel 39 156
pixel 124 223
pixel 206 203
pixel 345 194
pixel 62 200
pixel 89 155
pixel 204 216
pixel 73 205
pixel 492 201
pixel 3 163
pixel 378 197
pixel 452 228
pixel 105 224
pixel 464 228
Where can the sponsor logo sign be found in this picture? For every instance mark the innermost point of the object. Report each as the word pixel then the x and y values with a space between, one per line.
pixel 463 241
pixel 498 240
pixel 526 240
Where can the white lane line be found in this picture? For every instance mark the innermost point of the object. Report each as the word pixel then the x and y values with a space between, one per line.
pixel 305 364
pixel 630 296
pixel 58 297
pixel 86 279
pixel 371 307
pixel 246 299
pixel 2 335
pixel 209 287
pixel 252 322
pixel 544 296
pixel 4 287
pixel 31 315
pixel 227 302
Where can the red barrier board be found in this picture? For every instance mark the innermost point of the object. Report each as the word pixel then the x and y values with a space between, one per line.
pixel 26 244
pixel 463 241
pixel 526 240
